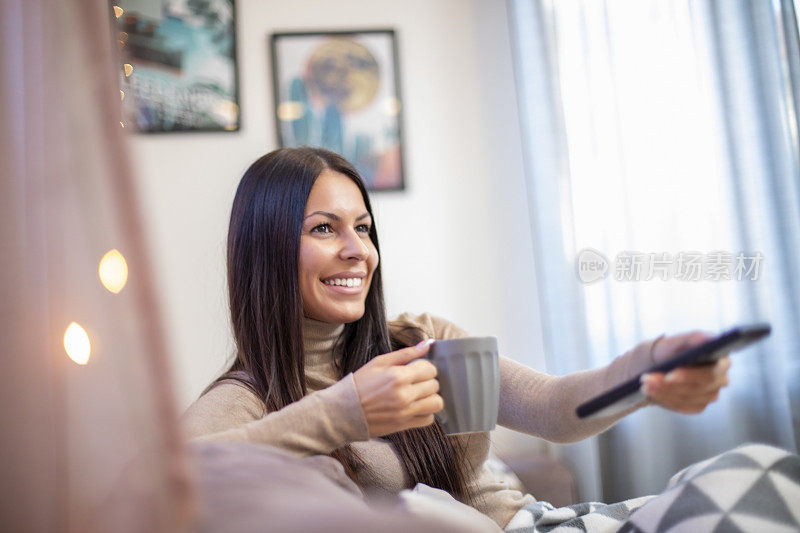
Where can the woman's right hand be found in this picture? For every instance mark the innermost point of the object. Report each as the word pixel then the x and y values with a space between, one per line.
pixel 397 392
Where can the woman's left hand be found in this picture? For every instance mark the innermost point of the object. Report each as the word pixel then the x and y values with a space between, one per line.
pixel 687 389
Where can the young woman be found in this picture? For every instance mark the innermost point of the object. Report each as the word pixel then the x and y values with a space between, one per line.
pixel 320 370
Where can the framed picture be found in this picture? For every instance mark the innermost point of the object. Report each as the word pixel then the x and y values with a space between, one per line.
pixel 179 71
pixel 340 91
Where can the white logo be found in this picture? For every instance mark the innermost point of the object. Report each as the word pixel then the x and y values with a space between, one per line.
pixel 592 265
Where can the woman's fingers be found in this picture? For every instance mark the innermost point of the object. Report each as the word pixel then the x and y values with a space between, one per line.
pixel 669 398
pixel 690 380
pixel 684 404
pixel 685 387
pixel 406 355
pixel 420 370
pixel 424 388
pixel 688 389
pixel 722 366
pixel 657 384
pixel 425 406
pixel 693 406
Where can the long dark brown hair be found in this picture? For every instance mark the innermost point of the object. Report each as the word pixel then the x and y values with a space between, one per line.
pixel 267 310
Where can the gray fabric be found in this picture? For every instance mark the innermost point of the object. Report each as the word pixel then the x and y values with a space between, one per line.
pixel 244 487
pixel 754 487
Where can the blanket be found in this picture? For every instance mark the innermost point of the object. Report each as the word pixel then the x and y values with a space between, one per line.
pixel 754 487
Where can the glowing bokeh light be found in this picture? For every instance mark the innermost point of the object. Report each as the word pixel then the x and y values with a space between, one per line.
pixel 128 69
pixel 391 106
pixel 118 11
pixel 113 271
pixel 290 110
pixel 76 344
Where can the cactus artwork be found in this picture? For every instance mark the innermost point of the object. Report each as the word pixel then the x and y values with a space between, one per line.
pixel 301 125
pixel 339 92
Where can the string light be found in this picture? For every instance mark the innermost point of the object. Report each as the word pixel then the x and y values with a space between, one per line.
pixel 127 68
pixel 113 270
pixel 76 344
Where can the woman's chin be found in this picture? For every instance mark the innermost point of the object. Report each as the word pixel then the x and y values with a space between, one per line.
pixel 340 316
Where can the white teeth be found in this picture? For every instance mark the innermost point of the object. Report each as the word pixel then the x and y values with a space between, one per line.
pixel 346 282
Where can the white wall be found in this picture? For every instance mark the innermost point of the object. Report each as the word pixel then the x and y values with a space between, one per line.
pixel 456 243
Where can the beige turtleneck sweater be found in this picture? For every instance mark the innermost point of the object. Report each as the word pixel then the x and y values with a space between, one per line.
pixel 330 415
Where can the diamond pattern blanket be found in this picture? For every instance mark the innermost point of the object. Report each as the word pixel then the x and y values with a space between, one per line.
pixel 752 488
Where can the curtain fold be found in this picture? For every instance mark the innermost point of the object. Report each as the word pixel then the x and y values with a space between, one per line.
pixel 89 445
pixel 656 128
pixel 545 153
pixel 758 110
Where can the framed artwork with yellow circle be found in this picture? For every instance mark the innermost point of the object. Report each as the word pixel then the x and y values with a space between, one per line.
pixel 339 90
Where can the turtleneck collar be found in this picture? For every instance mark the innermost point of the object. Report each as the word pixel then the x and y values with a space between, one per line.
pixel 318 342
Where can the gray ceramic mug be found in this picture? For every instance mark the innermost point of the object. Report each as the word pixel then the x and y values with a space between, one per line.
pixel 468 371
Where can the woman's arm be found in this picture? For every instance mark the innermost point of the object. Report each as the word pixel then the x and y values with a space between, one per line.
pixel 544 405
pixel 392 392
pixel 316 424
pixel 533 402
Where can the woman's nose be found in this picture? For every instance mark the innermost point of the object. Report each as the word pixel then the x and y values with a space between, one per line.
pixel 354 247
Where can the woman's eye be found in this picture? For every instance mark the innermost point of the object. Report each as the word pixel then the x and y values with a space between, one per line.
pixel 318 229
pixel 326 228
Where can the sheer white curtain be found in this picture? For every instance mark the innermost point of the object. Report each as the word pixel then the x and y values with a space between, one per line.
pixel 87 444
pixel 661 128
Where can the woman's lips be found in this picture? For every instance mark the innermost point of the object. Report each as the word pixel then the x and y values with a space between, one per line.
pixel 343 289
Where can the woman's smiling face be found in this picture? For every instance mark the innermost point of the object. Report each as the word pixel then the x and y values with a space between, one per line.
pixel 337 257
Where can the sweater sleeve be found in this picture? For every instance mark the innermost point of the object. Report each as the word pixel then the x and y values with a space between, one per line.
pixel 544 406
pixel 533 402
pixel 316 424
pixel 410 328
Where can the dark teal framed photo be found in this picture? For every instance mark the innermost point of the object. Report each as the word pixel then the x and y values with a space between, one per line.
pixel 179 65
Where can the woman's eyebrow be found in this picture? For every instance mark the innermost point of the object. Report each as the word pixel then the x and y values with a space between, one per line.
pixel 334 217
